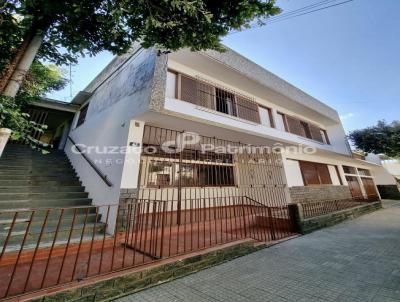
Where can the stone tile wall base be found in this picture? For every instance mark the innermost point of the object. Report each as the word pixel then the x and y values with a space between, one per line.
pixel 318 193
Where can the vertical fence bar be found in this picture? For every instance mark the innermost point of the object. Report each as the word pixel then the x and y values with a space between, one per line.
pixel 80 244
pixel 20 252
pixel 60 218
pixel 36 249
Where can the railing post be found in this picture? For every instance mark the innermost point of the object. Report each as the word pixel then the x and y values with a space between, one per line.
pixel 244 218
pixel 296 216
pixel 273 236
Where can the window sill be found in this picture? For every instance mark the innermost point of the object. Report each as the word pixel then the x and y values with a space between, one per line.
pixel 226 115
pixel 310 140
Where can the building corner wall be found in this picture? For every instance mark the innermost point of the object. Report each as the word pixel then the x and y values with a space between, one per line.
pixel 119 98
pixel 157 97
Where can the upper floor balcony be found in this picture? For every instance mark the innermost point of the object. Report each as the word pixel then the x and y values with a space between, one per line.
pixel 203 95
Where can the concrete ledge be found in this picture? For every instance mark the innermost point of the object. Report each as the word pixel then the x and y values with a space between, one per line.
pixel 118 284
pixel 311 224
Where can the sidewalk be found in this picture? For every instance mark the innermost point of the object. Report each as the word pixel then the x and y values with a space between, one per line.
pixel 358 260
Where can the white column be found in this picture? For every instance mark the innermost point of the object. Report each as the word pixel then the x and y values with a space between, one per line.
pixel 130 172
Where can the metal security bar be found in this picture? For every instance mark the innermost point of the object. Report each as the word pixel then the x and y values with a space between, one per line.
pixel 43 248
pixel 179 165
pixel 313 209
pixel 224 100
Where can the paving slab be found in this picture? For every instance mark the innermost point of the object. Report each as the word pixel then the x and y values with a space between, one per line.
pixel 358 260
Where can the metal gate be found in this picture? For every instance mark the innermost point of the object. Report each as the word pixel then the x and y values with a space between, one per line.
pixel 197 191
pixel 185 165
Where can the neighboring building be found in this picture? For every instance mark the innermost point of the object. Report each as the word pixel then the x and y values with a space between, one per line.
pixel 144 99
pixel 393 167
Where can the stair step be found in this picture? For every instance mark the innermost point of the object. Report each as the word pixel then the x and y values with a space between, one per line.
pixel 35 182
pixel 34 165
pixel 30 179
pixel 42 196
pixel 40 213
pixel 21 224
pixel 16 239
pixel 44 203
pixel 59 176
pixel 40 189
pixel 42 172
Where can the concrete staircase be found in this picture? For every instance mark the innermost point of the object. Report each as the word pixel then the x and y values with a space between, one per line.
pixel 32 180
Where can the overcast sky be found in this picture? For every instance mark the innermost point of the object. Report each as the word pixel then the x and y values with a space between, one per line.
pixel 347 56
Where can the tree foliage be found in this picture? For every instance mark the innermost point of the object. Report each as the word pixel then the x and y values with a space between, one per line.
pixel 383 138
pixel 91 26
pixel 40 80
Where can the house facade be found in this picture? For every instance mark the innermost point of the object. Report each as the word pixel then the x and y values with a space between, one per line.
pixel 199 103
pixel 163 155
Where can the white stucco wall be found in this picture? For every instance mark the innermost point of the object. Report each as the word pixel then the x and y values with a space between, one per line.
pixel 119 99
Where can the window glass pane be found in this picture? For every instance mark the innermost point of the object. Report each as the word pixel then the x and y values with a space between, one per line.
pixel 265 116
pixel 280 124
pixel 210 175
pixel 159 174
pixel 171 85
pixel 188 173
pixel 364 172
pixel 323 136
pixel 225 102
pixel 306 129
pixel 349 170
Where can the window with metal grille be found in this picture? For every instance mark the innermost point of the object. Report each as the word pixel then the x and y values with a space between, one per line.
pixel 225 102
pixel 364 172
pixel 349 170
pixel 173 174
pixel 216 98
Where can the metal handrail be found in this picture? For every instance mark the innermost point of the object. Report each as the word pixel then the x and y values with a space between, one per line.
pixel 92 164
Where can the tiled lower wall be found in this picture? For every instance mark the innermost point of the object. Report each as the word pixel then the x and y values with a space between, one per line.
pixel 318 193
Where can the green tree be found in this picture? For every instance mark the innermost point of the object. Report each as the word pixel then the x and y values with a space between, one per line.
pixel 40 80
pixel 91 26
pixel 383 138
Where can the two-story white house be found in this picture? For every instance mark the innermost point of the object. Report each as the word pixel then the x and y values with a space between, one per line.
pixel 168 154
pixel 198 104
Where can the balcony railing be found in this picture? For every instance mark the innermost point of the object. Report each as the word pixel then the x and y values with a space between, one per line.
pixel 223 100
pixel 319 208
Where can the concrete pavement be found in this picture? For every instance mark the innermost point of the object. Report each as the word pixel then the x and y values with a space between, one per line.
pixel 358 260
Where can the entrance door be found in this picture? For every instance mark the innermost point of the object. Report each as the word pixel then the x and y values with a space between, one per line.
pixel 370 189
pixel 355 188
